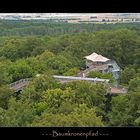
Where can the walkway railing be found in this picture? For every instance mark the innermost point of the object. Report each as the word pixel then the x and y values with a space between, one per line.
pixel 80 78
pixel 19 82
pixel 18 85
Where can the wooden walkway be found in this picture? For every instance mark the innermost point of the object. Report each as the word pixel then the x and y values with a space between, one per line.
pixel 19 85
pixel 72 78
pixel 117 90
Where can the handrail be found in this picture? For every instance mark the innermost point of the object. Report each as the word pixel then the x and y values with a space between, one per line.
pixel 19 82
pixel 80 78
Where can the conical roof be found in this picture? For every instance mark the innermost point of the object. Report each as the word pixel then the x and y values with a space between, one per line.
pixel 96 58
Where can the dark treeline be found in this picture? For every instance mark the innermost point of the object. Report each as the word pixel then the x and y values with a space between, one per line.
pixel 45 101
pixel 50 27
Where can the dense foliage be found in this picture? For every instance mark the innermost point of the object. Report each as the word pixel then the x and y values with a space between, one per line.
pixel 31 48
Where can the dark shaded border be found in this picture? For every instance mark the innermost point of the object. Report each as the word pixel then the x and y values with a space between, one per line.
pixel 70 132
pixel 72 6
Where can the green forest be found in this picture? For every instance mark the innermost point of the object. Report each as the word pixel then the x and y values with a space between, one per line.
pixel 29 48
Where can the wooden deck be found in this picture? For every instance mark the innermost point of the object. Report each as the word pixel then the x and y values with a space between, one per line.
pixel 19 85
pixel 117 90
pixel 71 78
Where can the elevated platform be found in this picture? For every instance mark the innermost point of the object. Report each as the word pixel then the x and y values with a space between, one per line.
pixel 80 78
pixel 19 85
